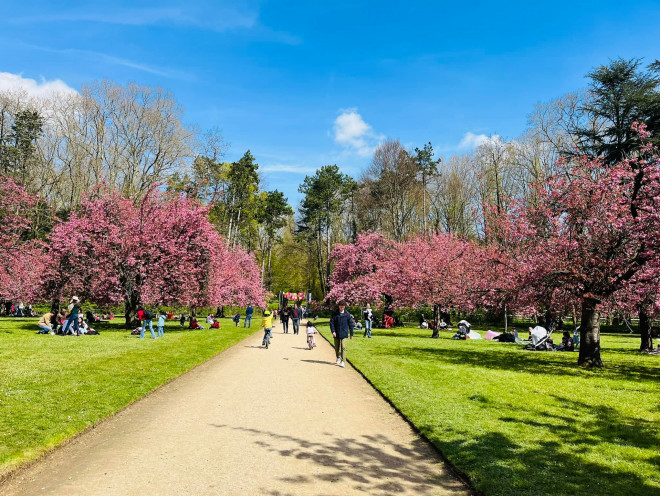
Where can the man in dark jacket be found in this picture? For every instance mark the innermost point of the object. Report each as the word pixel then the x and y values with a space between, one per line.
pixel 341 325
pixel 296 315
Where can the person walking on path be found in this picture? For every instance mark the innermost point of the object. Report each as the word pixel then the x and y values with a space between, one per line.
pixel 248 316
pixel 341 325
pixel 368 321
pixel 284 317
pixel 296 315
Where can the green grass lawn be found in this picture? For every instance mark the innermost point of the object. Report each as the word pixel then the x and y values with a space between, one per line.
pixel 520 422
pixel 53 387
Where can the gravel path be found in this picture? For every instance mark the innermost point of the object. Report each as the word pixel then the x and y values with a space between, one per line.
pixel 251 421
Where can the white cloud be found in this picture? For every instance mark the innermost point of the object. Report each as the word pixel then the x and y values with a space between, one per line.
pixel 34 88
pixel 471 140
pixel 354 134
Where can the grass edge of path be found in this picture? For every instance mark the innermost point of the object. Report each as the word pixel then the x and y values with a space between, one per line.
pixel 453 469
pixel 12 470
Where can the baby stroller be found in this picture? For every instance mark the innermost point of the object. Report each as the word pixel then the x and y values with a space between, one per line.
pixel 540 340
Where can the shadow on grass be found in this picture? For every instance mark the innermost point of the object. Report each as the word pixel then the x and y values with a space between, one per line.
pixel 531 362
pixel 370 464
pixel 29 324
pixel 564 458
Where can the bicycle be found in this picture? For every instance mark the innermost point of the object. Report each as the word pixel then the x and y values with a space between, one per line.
pixel 267 335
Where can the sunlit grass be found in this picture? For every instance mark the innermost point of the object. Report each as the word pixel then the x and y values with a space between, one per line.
pixel 52 387
pixel 525 423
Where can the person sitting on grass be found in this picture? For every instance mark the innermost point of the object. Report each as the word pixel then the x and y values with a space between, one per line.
pixel 506 337
pixel 45 324
pixel 91 317
pixel 85 329
pixel 423 323
pixel 209 319
pixel 215 324
pixel 567 343
pixel 464 329
pixel 194 324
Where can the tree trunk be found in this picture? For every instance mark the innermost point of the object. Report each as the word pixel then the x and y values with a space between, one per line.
pixel 327 260
pixel 263 265
pixel 55 306
pixel 436 321
pixel 131 305
pixel 590 334
pixel 269 273
pixel 506 320
pixel 645 330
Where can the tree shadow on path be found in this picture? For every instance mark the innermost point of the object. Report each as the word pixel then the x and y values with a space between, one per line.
pixel 372 464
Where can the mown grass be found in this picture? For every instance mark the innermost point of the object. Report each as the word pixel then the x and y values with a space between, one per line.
pixel 525 423
pixel 53 387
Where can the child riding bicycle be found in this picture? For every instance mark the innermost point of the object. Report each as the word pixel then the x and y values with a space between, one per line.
pixel 311 331
pixel 267 325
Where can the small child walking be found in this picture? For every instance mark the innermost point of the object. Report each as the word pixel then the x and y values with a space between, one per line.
pixel 161 323
pixel 311 335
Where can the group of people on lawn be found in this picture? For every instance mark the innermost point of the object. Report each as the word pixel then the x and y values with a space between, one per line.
pixel 68 321
pixel 10 310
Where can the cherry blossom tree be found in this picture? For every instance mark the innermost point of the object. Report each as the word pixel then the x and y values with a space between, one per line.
pixel 363 272
pixel 160 250
pixel 422 271
pixel 22 258
pixel 594 230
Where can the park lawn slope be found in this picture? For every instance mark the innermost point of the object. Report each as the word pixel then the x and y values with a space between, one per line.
pixel 520 422
pixel 53 387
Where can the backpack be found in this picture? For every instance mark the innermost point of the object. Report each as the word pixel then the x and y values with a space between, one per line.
pixel 148 315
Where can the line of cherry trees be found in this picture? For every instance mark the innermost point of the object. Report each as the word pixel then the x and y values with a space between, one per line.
pixel 587 241
pixel 112 250
pixel 563 218
pixel 406 193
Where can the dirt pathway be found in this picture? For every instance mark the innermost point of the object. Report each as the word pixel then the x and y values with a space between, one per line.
pixel 282 421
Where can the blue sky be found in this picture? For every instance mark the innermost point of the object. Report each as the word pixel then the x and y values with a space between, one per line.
pixel 304 84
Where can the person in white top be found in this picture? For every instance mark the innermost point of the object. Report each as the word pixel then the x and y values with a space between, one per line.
pixel 311 335
pixel 368 315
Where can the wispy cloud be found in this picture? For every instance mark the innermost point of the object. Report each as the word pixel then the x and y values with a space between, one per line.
pixel 289 168
pixel 112 59
pixel 354 134
pixel 34 88
pixel 219 19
